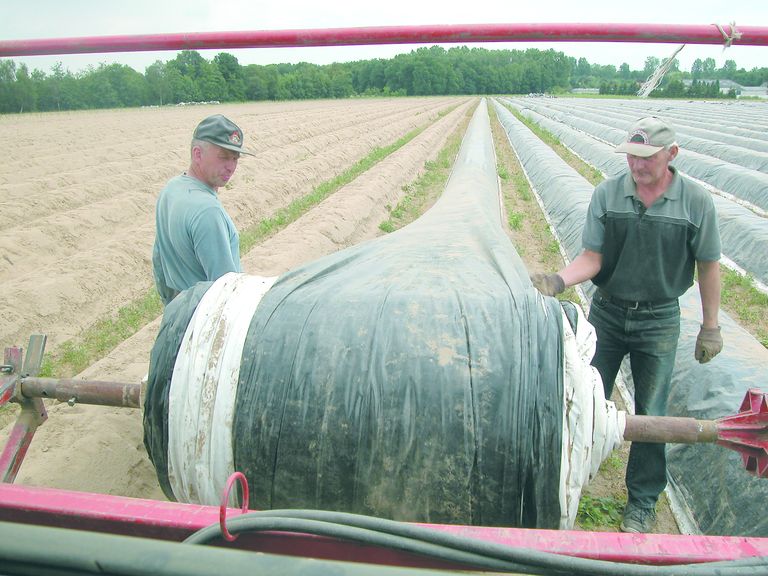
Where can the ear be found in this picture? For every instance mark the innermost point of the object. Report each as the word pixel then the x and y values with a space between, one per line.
pixel 673 150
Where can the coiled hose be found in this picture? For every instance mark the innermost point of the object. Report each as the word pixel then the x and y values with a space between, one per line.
pixel 472 553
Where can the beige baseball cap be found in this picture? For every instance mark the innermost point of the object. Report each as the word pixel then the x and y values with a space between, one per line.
pixel 646 137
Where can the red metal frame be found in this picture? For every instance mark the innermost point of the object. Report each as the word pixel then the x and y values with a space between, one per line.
pixel 174 522
pixel 425 34
pixel 32 414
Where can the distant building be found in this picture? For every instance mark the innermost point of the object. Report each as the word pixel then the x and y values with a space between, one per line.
pixel 741 91
pixel 755 91
pixel 585 90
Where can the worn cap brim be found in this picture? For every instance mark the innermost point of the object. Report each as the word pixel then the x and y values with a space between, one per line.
pixel 642 150
pixel 230 147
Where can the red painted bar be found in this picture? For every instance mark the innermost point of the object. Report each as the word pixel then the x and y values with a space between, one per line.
pixel 425 34
pixel 175 521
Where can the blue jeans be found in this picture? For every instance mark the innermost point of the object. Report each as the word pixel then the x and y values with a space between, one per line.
pixel 649 335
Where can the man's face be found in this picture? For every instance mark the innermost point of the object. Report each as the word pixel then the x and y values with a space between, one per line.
pixel 216 164
pixel 652 170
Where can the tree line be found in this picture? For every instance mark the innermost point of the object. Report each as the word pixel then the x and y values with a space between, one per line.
pixel 189 77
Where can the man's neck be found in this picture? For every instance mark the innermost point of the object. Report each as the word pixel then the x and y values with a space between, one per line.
pixel 192 173
pixel 649 194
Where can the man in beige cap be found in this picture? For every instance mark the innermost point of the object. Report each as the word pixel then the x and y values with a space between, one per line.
pixel 196 239
pixel 645 232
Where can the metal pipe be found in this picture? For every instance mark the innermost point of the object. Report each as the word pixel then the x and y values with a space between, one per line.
pixel 83 391
pixel 669 429
pixel 425 34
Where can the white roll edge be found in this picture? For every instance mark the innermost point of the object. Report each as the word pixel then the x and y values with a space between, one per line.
pixel 204 387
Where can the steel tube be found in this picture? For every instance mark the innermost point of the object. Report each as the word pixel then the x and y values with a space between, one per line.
pixel 669 429
pixel 83 391
pixel 425 34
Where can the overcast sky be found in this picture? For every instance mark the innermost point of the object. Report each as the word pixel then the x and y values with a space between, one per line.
pixel 33 19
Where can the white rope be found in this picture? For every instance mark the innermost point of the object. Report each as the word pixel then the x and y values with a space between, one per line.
pixel 653 81
pixel 201 399
pixel 729 38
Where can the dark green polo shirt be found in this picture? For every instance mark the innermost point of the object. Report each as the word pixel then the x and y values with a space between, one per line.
pixel 650 254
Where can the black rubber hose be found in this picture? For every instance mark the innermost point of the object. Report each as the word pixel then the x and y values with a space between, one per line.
pixel 470 552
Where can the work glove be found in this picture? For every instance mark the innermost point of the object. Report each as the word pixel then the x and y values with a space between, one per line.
pixel 708 344
pixel 548 284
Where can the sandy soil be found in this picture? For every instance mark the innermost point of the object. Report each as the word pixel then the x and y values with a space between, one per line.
pixel 77 226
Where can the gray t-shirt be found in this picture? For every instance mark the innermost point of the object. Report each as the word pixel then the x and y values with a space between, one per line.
pixel 195 240
pixel 650 254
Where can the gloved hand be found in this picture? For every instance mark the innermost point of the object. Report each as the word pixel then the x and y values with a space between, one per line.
pixel 709 343
pixel 548 284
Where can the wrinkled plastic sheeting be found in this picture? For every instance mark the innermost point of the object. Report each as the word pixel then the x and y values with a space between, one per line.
pixel 706 113
pixel 595 152
pixel 744 234
pixel 736 124
pixel 738 181
pixel 744 183
pixel 722 497
pixel 730 152
pixel 744 237
pixel 417 376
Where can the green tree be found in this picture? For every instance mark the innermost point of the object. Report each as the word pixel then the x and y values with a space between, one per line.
pixel 8 100
pixel 697 69
pixel 624 71
pixel 728 71
pixel 340 81
pixel 233 75
pixel 97 89
pixel 158 83
pixel 708 68
pixel 651 63
pixel 26 90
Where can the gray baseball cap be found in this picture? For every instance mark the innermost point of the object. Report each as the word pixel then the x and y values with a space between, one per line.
pixel 219 130
pixel 646 137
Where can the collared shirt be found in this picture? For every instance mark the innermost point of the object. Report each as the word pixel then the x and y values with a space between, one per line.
pixel 649 254
pixel 196 239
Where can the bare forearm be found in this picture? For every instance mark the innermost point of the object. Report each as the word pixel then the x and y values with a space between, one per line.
pixel 584 267
pixel 709 289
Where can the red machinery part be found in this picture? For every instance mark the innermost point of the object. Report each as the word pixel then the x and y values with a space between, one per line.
pixel 747 432
pixel 174 522
pixel 426 34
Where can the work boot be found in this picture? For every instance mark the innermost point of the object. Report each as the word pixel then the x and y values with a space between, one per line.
pixel 639 520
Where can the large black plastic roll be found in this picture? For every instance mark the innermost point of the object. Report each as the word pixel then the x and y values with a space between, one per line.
pixel 418 376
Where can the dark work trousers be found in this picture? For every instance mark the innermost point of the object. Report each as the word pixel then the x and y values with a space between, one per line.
pixel 649 334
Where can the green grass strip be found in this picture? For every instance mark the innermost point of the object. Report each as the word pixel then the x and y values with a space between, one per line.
pixel 421 193
pixel 587 171
pixel 96 341
pixel 268 226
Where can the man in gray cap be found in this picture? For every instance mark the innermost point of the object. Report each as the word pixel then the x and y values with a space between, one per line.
pixel 645 232
pixel 196 239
